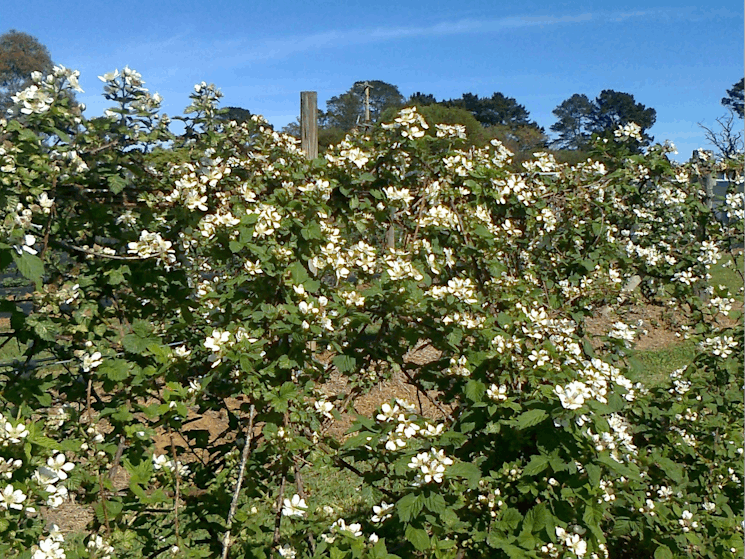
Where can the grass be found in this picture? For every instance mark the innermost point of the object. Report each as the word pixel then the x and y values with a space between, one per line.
pixel 652 367
pixel 725 273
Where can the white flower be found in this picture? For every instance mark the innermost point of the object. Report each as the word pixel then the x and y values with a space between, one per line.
pixel 12 498
pixel 59 465
pixel 324 408
pixel 294 507
pixel 13 434
pixel 497 393
pixel 90 361
pixel 573 395
pixel 380 512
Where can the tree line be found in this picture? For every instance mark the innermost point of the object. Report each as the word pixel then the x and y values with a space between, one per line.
pixel 498 116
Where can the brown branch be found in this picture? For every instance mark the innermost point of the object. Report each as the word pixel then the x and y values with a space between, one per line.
pixel 419 389
pixel 178 487
pixel 278 517
pixel 117 456
pixel 100 254
pixel 301 491
pixel 241 472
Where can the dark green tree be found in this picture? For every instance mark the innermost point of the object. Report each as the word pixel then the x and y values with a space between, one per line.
pixel 735 98
pixel 575 122
pixel 609 110
pixel 421 99
pixel 495 110
pixel 237 114
pixel 20 55
pixel 347 110
pixel 614 108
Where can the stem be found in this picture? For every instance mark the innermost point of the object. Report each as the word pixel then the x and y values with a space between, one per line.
pixel 303 495
pixel 178 487
pixel 241 471
pixel 278 518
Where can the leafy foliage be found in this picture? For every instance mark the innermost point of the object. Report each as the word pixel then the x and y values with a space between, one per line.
pixel 221 272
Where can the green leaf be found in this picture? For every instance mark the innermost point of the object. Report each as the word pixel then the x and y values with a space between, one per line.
pixel 30 266
pixel 475 390
pixel 345 363
pixel 593 474
pixel 465 470
pixel 535 518
pixel 537 464
pixel 593 516
pixel 408 507
pixel 114 369
pixel 418 538
pixel 530 418
pixel 663 552
pixel 434 502
pixel 135 344
pixel 116 184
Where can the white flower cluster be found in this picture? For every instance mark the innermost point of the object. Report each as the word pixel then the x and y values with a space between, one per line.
pixel 573 540
pixel 431 465
pixel 98 548
pixel 314 310
pixel 348 154
pixel 734 203
pixel 409 123
pixel 398 194
pixel 55 471
pixel 399 267
pixel 162 462
pixel 622 331
pixel 152 244
pixel 340 527
pixel 462 289
pixel 618 441
pixel 460 163
pixel 209 224
pixel 459 366
pixel 220 340
pixel 39 96
pixel 51 546
pixel 322 186
pixel 451 131
pixel 439 216
pixel 630 130
pixel 719 346
pixel 381 512
pixel 11 498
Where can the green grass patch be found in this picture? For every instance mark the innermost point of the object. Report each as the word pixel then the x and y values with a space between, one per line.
pixel 725 272
pixel 652 367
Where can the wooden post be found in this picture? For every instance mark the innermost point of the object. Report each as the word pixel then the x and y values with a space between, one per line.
pixel 309 123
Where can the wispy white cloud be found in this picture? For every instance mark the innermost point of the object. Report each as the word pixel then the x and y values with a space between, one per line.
pixel 287 46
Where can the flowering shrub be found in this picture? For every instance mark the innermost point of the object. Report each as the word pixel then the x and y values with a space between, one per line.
pixel 219 271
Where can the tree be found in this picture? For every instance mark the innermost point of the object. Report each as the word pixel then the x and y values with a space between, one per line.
pixel 347 110
pixel 20 55
pixel 579 118
pixel 734 99
pixel 574 124
pixel 237 114
pixel 421 99
pixel 728 139
pixel 495 110
pixel 614 108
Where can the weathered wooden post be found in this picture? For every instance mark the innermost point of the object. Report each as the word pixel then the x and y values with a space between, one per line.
pixel 309 123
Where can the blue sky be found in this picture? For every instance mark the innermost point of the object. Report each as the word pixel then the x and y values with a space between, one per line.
pixel 675 57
